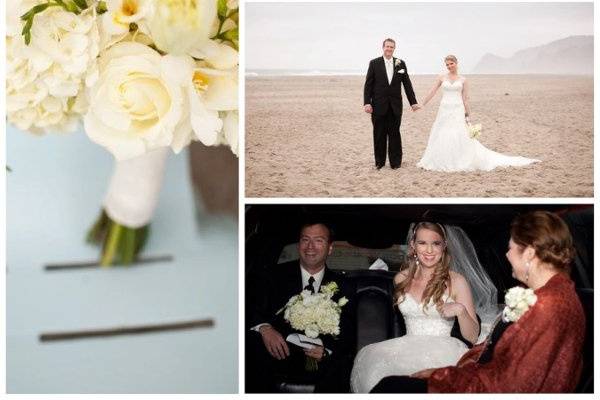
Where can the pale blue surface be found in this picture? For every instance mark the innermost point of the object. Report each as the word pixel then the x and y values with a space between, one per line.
pixel 54 194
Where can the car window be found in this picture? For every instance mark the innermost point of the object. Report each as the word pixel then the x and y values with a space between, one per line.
pixel 347 257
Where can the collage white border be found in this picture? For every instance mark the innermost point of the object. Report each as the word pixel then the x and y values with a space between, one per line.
pixel 241 236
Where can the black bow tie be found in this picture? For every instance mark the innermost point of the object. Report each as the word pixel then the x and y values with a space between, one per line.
pixel 310 286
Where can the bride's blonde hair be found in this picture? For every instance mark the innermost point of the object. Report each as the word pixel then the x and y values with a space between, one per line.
pixel 440 280
pixel 450 58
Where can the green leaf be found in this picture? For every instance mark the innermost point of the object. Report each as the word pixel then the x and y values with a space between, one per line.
pixel 82 4
pixel 35 10
pixel 232 35
pixel 26 32
pixel 101 7
pixel 222 8
pixel 71 7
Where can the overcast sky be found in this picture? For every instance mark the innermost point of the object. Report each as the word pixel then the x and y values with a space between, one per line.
pixel 345 36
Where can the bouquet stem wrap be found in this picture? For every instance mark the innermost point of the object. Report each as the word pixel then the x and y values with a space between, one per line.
pixel 134 188
pixel 129 205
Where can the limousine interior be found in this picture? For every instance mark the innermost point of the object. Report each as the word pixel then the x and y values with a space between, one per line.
pixel 366 233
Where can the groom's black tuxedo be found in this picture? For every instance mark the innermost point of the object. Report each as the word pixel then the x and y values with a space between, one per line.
pixel 267 293
pixel 386 99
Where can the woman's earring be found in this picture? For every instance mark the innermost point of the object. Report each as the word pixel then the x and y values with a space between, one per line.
pixel 527 265
pixel 416 260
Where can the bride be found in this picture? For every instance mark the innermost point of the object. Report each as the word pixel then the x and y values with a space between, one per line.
pixel 450 147
pixel 429 296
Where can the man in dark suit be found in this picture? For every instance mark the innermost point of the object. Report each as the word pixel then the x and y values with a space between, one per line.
pixel 267 352
pixel 383 100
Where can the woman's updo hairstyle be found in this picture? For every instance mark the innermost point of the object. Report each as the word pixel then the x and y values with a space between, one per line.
pixel 451 58
pixel 548 235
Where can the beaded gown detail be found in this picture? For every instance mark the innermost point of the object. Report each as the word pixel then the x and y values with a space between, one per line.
pixel 427 344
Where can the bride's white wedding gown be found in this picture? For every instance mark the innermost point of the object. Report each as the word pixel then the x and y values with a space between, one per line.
pixel 450 147
pixel 427 344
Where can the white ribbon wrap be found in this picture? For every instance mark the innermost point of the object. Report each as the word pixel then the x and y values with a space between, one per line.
pixel 134 188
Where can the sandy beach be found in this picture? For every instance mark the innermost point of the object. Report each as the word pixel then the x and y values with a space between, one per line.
pixel 309 137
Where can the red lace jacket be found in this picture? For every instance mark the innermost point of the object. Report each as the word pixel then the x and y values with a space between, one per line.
pixel 541 352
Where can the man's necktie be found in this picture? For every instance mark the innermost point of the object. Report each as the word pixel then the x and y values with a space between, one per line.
pixel 310 286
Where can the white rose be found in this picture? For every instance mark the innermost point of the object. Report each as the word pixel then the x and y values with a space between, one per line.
pixel 176 26
pixel 138 101
pixel 312 331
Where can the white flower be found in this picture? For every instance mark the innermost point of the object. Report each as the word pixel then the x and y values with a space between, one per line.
pixel 176 26
pixel 138 101
pixel 121 14
pixel 315 314
pixel 216 55
pixel 229 135
pixel 518 300
pixel 475 130
pixel 213 91
pixel 312 331
pixel 45 79
pixel 397 62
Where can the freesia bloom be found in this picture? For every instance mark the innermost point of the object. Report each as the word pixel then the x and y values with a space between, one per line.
pixel 122 13
pixel 213 91
pixel 176 26
pixel 138 101
pixel 45 79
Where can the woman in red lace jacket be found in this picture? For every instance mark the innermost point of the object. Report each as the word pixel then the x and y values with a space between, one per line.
pixel 538 351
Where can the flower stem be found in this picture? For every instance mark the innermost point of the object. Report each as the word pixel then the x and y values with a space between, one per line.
pixel 112 243
pixel 120 244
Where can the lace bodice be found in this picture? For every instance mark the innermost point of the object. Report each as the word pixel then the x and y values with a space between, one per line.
pixel 452 92
pixel 427 344
pixel 428 322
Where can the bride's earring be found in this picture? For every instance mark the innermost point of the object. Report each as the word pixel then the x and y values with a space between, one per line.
pixel 527 265
pixel 417 260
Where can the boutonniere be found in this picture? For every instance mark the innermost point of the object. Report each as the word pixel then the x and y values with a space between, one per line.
pixel 397 62
pixel 518 300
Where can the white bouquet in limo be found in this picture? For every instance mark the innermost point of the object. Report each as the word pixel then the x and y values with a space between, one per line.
pixel 143 76
pixel 315 313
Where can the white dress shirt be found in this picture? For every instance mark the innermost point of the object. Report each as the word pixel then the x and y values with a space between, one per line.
pixel 389 68
pixel 306 276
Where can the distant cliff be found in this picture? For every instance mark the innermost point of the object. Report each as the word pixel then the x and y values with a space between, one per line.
pixel 572 55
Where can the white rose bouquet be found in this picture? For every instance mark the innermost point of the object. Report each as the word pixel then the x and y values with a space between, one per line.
pixel 518 300
pixel 143 76
pixel 315 314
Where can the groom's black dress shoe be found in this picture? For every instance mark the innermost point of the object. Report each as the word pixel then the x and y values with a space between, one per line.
pixel 395 167
pixel 378 167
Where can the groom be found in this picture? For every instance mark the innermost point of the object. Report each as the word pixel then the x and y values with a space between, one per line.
pixel 383 100
pixel 268 354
